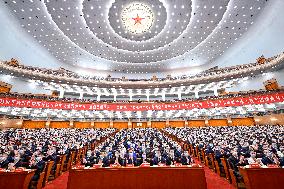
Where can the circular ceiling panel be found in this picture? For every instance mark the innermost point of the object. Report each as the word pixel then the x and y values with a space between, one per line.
pixel 137 20
pixel 111 30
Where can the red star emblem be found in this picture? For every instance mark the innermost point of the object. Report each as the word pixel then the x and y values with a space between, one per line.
pixel 138 20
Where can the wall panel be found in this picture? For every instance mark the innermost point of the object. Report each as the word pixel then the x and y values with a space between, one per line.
pixel 134 125
pixel 28 124
pixel 101 125
pixel 158 124
pixel 11 123
pixel 81 125
pixel 217 122
pixel 196 123
pixel 59 124
pixel 274 119
pixel 177 123
pixel 120 125
pixel 243 121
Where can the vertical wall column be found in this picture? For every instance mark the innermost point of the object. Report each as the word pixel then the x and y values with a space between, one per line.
pixel 148 95
pixel 130 94
pixel 61 93
pixel 229 119
pixel 179 94
pixel 47 123
pixel 114 97
pixel 149 124
pixel 196 94
pixel 216 91
pixel 99 97
pixel 71 124
pixel 206 122
pixel 168 123
pixel 186 123
pixel 129 124
pixel 164 96
pixel 111 123
pixel 81 95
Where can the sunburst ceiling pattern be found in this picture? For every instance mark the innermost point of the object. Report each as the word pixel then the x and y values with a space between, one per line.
pixel 93 34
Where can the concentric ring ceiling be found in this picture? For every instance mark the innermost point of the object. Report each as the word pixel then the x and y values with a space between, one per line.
pixel 98 33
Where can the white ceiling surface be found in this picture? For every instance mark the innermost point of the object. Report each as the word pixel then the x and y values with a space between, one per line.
pixel 264 36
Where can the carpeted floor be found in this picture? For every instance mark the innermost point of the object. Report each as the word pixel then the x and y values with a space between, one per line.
pixel 212 179
pixel 59 183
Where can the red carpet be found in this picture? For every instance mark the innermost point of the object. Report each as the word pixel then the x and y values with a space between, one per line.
pixel 59 183
pixel 212 179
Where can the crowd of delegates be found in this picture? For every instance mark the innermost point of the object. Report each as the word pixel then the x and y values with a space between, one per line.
pixel 31 149
pixel 263 145
pixel 67 73
pixel 137 146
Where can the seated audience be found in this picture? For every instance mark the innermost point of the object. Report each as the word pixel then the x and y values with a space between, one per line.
pixel 31 149
pixel 263 145
pixel 137 146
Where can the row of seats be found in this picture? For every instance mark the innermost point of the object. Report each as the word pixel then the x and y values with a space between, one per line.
pixel 225 149
pixel 49 152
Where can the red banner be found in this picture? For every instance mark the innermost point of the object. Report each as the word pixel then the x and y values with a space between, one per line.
pixel 239 101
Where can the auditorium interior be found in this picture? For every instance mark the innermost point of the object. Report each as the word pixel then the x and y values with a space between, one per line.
pixel 141 94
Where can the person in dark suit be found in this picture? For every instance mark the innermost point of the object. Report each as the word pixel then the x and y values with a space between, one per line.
pixel 185 158
pixel 234 161
pixel 219 153
pixel 4 161
pixel 105 160
pixel 18 161
pixel 89 160
pixel 131 159
pixel 281 161
pixel 171 159
pixel 11 156
pixel 158 159
pixel 270 159
pixel 122 159
pixel 38 164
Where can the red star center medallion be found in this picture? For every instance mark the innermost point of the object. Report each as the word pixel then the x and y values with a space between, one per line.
pixel 138 20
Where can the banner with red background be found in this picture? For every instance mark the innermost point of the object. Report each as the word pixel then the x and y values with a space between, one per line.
pixel 238 101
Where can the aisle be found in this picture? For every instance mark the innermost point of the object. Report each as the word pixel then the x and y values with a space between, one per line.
pixel 212 179
pixel 58 183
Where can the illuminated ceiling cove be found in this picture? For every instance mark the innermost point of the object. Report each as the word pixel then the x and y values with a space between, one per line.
pixel 145 35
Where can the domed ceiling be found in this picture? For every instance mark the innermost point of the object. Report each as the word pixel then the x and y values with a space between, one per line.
pixel 142 36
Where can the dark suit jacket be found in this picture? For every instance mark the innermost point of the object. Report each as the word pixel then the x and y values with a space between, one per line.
pixel 132 161
pixel 233 161
pixel 265 160
pixel 39 168
pixel 281 160
pixel 4 164
pixel 185 160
